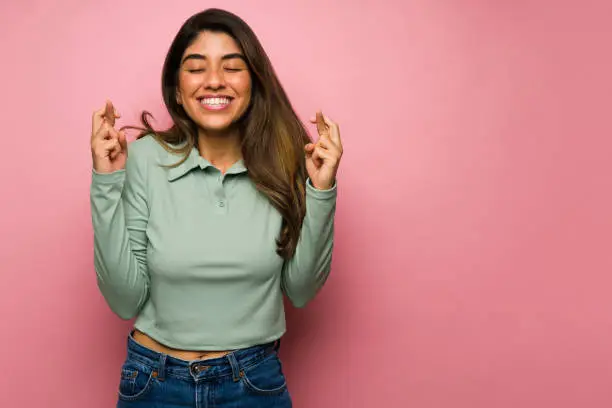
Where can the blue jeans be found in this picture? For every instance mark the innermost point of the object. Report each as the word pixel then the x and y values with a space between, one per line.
pixel 250 377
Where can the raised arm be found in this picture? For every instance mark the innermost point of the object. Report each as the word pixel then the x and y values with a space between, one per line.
pixel 305 273
pixel 119 215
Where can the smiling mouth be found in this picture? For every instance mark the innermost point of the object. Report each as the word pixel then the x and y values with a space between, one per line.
pixel 215 103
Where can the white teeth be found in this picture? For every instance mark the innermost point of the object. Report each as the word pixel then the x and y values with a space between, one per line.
pixel 215 101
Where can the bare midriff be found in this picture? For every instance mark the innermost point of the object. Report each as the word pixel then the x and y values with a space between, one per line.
pixel 187 355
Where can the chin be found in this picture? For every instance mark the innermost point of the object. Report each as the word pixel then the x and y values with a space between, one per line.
pixel 216 125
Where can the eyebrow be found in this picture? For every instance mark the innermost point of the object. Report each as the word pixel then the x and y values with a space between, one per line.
pixel 223 58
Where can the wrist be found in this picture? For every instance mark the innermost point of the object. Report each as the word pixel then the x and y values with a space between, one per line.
pixel 320 186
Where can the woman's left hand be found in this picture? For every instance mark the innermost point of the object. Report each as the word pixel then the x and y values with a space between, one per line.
pixel 323 157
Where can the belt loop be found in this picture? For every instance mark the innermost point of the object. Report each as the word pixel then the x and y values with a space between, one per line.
pixel 162 367
pixel 236 374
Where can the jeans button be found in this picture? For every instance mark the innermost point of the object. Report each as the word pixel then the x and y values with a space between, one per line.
pixel 198 368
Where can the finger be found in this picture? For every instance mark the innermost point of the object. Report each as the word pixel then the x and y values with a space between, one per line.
pixel 99 113
pixel 322 128
pixel 112 148
pixel 316 157
pixel 318 117
pixel 308 155
pixel 113 133
pixel 109 148
pixel 321 154
pixel 114 153
pixel 334 136
pixel 123 141
pixel 110 144
pixel 102 133
pixel 334 133
pixel 110 113
pixel 97 119
pixel 119 144
pixel 327 144
pixel 104 127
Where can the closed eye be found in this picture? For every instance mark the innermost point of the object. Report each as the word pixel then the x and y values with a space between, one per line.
pixel 195 71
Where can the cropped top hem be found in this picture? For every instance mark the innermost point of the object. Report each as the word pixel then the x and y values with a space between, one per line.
pixel 159 337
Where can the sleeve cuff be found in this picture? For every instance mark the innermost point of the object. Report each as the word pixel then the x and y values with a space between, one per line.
pixel 116 176
pixel 321 194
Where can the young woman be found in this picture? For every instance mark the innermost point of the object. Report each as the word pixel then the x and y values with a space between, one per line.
pixel 201 228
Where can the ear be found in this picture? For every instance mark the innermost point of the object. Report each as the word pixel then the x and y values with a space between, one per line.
pixel 178 97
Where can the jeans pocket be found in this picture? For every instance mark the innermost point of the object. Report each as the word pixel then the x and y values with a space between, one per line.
pixel 265 377
pixel 136 381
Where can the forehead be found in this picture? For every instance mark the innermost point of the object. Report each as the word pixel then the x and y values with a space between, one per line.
pixel 213 44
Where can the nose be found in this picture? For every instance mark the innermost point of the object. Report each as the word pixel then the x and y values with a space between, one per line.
pixel 214 80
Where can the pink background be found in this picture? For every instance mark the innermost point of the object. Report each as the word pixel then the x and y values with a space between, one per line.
pixel 472 265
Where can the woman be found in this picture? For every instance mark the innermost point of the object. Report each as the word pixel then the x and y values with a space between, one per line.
pixel 202 228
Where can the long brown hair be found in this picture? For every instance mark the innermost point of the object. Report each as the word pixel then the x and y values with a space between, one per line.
pixel 272 136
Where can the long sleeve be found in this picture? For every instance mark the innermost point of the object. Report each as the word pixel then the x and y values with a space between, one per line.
pixel 120 214
pixel 305 273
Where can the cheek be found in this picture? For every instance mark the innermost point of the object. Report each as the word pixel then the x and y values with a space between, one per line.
pixel 187 84
pixel 242 85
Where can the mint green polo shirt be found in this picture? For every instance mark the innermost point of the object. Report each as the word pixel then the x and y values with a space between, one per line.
pixel 191 252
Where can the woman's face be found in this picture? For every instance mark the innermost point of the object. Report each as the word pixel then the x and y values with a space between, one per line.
pixel 214 83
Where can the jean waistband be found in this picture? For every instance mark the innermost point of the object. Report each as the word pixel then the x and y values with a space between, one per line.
pixel 230 364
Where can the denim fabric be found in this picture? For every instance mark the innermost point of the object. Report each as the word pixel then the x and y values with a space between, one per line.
pixel 250 377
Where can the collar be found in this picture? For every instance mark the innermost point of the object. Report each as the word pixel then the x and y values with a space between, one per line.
pixel 195 160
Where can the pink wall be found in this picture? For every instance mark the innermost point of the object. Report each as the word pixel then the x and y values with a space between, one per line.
pixel 472 266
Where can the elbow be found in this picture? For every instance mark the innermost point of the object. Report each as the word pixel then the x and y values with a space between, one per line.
pixel 303 291
pixel 125 305
pixel 125 313
pixel 304 295
pixel 301 301
pixel 125 310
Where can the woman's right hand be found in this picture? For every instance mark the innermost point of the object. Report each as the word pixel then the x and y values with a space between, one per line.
pixel 108 147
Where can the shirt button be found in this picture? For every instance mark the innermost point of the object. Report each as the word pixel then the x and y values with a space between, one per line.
pixel 221 204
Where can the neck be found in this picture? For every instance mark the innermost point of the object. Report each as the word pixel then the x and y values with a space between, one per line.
pixel 221 149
